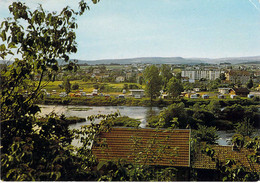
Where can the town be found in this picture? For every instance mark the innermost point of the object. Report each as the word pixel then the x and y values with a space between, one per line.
pixel 198 81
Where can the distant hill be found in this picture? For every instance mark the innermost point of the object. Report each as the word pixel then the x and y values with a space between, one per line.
pixel 144 60
pixel 169 60
pixel 174 60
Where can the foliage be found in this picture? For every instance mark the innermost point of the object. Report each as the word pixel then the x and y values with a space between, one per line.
pixel 153 81
pixel 174 116
pixel 165 72
pixel 75 86
pixel 32 149
pixel 125 121
pixel 174 87
pixel 214 107
pixel 206 134
pixel 245 128
pixel 232 170
pixel 66 84
pixel 250 84
pixel 222 77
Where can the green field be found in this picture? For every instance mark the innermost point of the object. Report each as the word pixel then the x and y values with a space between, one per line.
pixel 116 88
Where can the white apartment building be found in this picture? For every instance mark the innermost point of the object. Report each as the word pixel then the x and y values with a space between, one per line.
pixel 198 74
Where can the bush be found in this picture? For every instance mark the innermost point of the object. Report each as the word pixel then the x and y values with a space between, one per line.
pixel 125 121
pixel 75 86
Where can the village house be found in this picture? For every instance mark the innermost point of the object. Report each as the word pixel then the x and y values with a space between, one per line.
pixel 120 79
pixel 96 71
pixel 234 76
pixel 137 93
pixel 224 90
pixel 206 167
pixel 173 149
pixel 242 92
pixel 119 143
pixel 129 75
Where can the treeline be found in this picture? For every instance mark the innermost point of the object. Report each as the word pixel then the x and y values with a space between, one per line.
pixel 114 101
pixel 210 115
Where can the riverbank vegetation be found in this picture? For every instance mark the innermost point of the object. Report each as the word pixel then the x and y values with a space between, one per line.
pixel 130 101
pixel 210 115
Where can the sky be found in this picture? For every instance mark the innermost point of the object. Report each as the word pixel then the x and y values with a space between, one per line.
pixel 114 29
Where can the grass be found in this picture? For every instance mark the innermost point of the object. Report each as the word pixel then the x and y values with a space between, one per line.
pixel 87 86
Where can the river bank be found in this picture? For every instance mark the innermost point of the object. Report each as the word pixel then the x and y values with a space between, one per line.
pixel 144 102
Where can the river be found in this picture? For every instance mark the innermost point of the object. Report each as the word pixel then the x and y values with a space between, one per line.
pixel 136 112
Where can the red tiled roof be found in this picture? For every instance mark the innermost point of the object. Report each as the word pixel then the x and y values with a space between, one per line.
pixel 223 153
pixel 130 143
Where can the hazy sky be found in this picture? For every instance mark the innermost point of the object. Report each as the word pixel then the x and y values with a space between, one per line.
pixel 163 28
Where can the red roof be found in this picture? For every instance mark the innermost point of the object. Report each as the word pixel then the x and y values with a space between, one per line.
pixel 223 153
pixel 145 146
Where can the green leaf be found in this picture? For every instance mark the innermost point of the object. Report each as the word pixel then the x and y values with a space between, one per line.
pixel 12 45
pixel 2 47
pixel 101 164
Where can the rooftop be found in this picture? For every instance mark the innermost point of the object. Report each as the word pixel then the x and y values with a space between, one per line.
pixel 150 146
pixel 223 153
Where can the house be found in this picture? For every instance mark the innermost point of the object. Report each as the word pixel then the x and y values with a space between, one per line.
pixel 127 143
pixel 129 75
pixel 121 96
pixel 164 96
pixel 137 93
pixel 184 79
pixel 234 96
pixel 95 92
pixel 221 96
pixel 196 89
pixel 96 71
pixel 242 92
pixel 205 96
pixel 168 148
pixel 224 90
pixel 250 96
pixel 234 76
pixel 63 94
pixel 206 167
pixel 120 79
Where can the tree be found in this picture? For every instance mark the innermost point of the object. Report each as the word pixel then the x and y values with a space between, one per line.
pixel 214 107
pixel 75 86
pixel 32 149
pixel 222 77
pixel 66 84
pixel 206 134
pixel 141 80
pixel 166 74
pixel 153 81
pixel 174 87
pixel 250 84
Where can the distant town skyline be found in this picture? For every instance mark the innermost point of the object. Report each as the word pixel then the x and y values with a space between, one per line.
pixel 115 29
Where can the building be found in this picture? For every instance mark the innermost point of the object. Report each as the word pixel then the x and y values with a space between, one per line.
pixel 234 76
pixel 120 143
pixel 120 79
pixel 224 90
pixel 206 167
pixel 96 71
pixel 137 93
pixel 168 148
pixel 194 75
pixel 242 92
